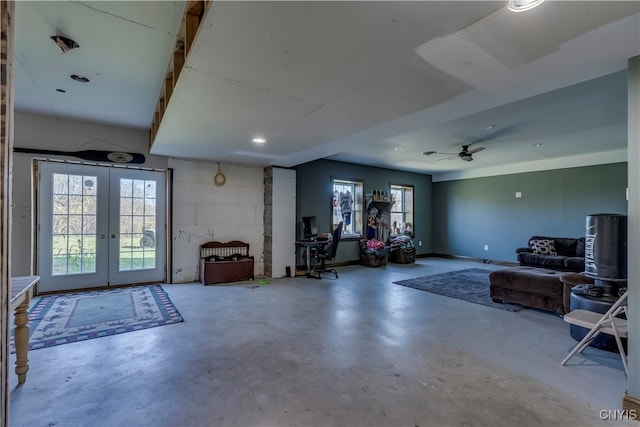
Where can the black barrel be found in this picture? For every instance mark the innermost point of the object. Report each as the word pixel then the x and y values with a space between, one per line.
pixel 606 247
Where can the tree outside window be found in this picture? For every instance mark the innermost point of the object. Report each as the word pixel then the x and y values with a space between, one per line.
pixel 402 210
pixel 347 206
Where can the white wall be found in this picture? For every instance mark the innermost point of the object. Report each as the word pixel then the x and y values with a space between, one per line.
pixel 204 212
pixel 49 133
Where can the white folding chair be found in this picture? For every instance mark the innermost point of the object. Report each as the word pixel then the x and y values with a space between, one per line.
pixel 599 323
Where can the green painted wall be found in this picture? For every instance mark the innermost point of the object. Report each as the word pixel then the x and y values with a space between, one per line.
pixel 314 197
pixel 471 213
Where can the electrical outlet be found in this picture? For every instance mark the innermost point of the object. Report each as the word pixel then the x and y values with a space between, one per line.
pixel 486 247
pixel 419 242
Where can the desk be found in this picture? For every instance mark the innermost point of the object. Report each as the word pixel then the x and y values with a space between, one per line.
pixel 20 287
pixel 308 244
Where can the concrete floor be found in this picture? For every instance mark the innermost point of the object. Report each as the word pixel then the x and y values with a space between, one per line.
pixel 357 351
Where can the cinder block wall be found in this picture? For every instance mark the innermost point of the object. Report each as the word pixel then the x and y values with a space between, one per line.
pixel 279 221
pixel 203 211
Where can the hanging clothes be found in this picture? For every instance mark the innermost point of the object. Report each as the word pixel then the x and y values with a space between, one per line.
pixel 345 202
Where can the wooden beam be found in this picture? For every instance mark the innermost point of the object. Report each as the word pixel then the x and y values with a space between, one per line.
pixel 196 8
pixel 192 23
pixel 7 15
pixel 168 88
pixel 192 20
pixel 195 12
pixel 178 64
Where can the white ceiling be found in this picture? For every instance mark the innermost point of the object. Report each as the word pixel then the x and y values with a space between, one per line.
pixel 375 83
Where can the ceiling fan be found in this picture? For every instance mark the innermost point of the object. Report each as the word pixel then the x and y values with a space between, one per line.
pixel 465 154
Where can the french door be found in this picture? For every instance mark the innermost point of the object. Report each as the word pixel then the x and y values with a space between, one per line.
pixel 99 226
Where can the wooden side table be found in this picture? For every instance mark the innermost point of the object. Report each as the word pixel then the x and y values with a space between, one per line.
pixel 20 290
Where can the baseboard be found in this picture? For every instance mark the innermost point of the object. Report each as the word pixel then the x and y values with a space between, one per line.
pixel 632 406
pixel 429 255
pixel 471 259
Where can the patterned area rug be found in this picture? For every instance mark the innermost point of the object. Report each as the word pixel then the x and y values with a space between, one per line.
pixel 65 318
pixel 470 285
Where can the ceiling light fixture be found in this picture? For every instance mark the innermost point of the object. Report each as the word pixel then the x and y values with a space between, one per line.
pixel 398 148
pixel 537 144
pixel 65 44
pixel 259 140
pixel 523 5
pixel 488 127
pixel 79 78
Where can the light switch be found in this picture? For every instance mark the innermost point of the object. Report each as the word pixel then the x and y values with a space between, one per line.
pixel 518 194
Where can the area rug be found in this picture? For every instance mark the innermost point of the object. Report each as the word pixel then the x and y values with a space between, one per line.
pixel 470 285
pixel 66 318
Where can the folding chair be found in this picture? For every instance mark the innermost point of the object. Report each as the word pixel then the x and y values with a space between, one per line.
pixel 598 323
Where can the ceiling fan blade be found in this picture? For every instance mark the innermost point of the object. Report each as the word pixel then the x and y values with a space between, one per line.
pixel 475 150
pixel 447 158
pixel 500 133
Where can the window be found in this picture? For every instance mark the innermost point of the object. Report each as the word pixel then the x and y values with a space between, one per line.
pixel 347 206
pixel 402 210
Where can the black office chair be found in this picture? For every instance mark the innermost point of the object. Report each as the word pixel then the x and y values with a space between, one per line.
pixel 327 252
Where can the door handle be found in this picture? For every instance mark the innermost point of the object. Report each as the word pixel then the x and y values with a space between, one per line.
pixel 114 236
pixel 101 236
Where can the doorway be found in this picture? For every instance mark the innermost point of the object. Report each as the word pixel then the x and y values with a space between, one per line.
pixel 99 226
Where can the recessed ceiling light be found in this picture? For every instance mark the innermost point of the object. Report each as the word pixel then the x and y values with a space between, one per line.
pixel 488 127
pixel 537 144
pixel 78 78
pixel 398 148
pixel 259 140
pixel 523 5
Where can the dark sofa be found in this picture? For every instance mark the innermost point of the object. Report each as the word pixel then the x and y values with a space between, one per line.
pixel 555 253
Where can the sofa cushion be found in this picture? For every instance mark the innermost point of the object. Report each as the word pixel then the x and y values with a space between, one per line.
pixel 554 262
pixel 565 245
pixel 580 247
pixel 543 247
pixel 574 263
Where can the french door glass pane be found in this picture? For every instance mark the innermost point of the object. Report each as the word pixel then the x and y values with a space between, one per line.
pixel 137 224
pixel 74 207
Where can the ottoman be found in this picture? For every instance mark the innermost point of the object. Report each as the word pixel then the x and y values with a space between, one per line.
pixel 528 286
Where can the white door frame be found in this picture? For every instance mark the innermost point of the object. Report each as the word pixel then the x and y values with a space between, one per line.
pixel 110 243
